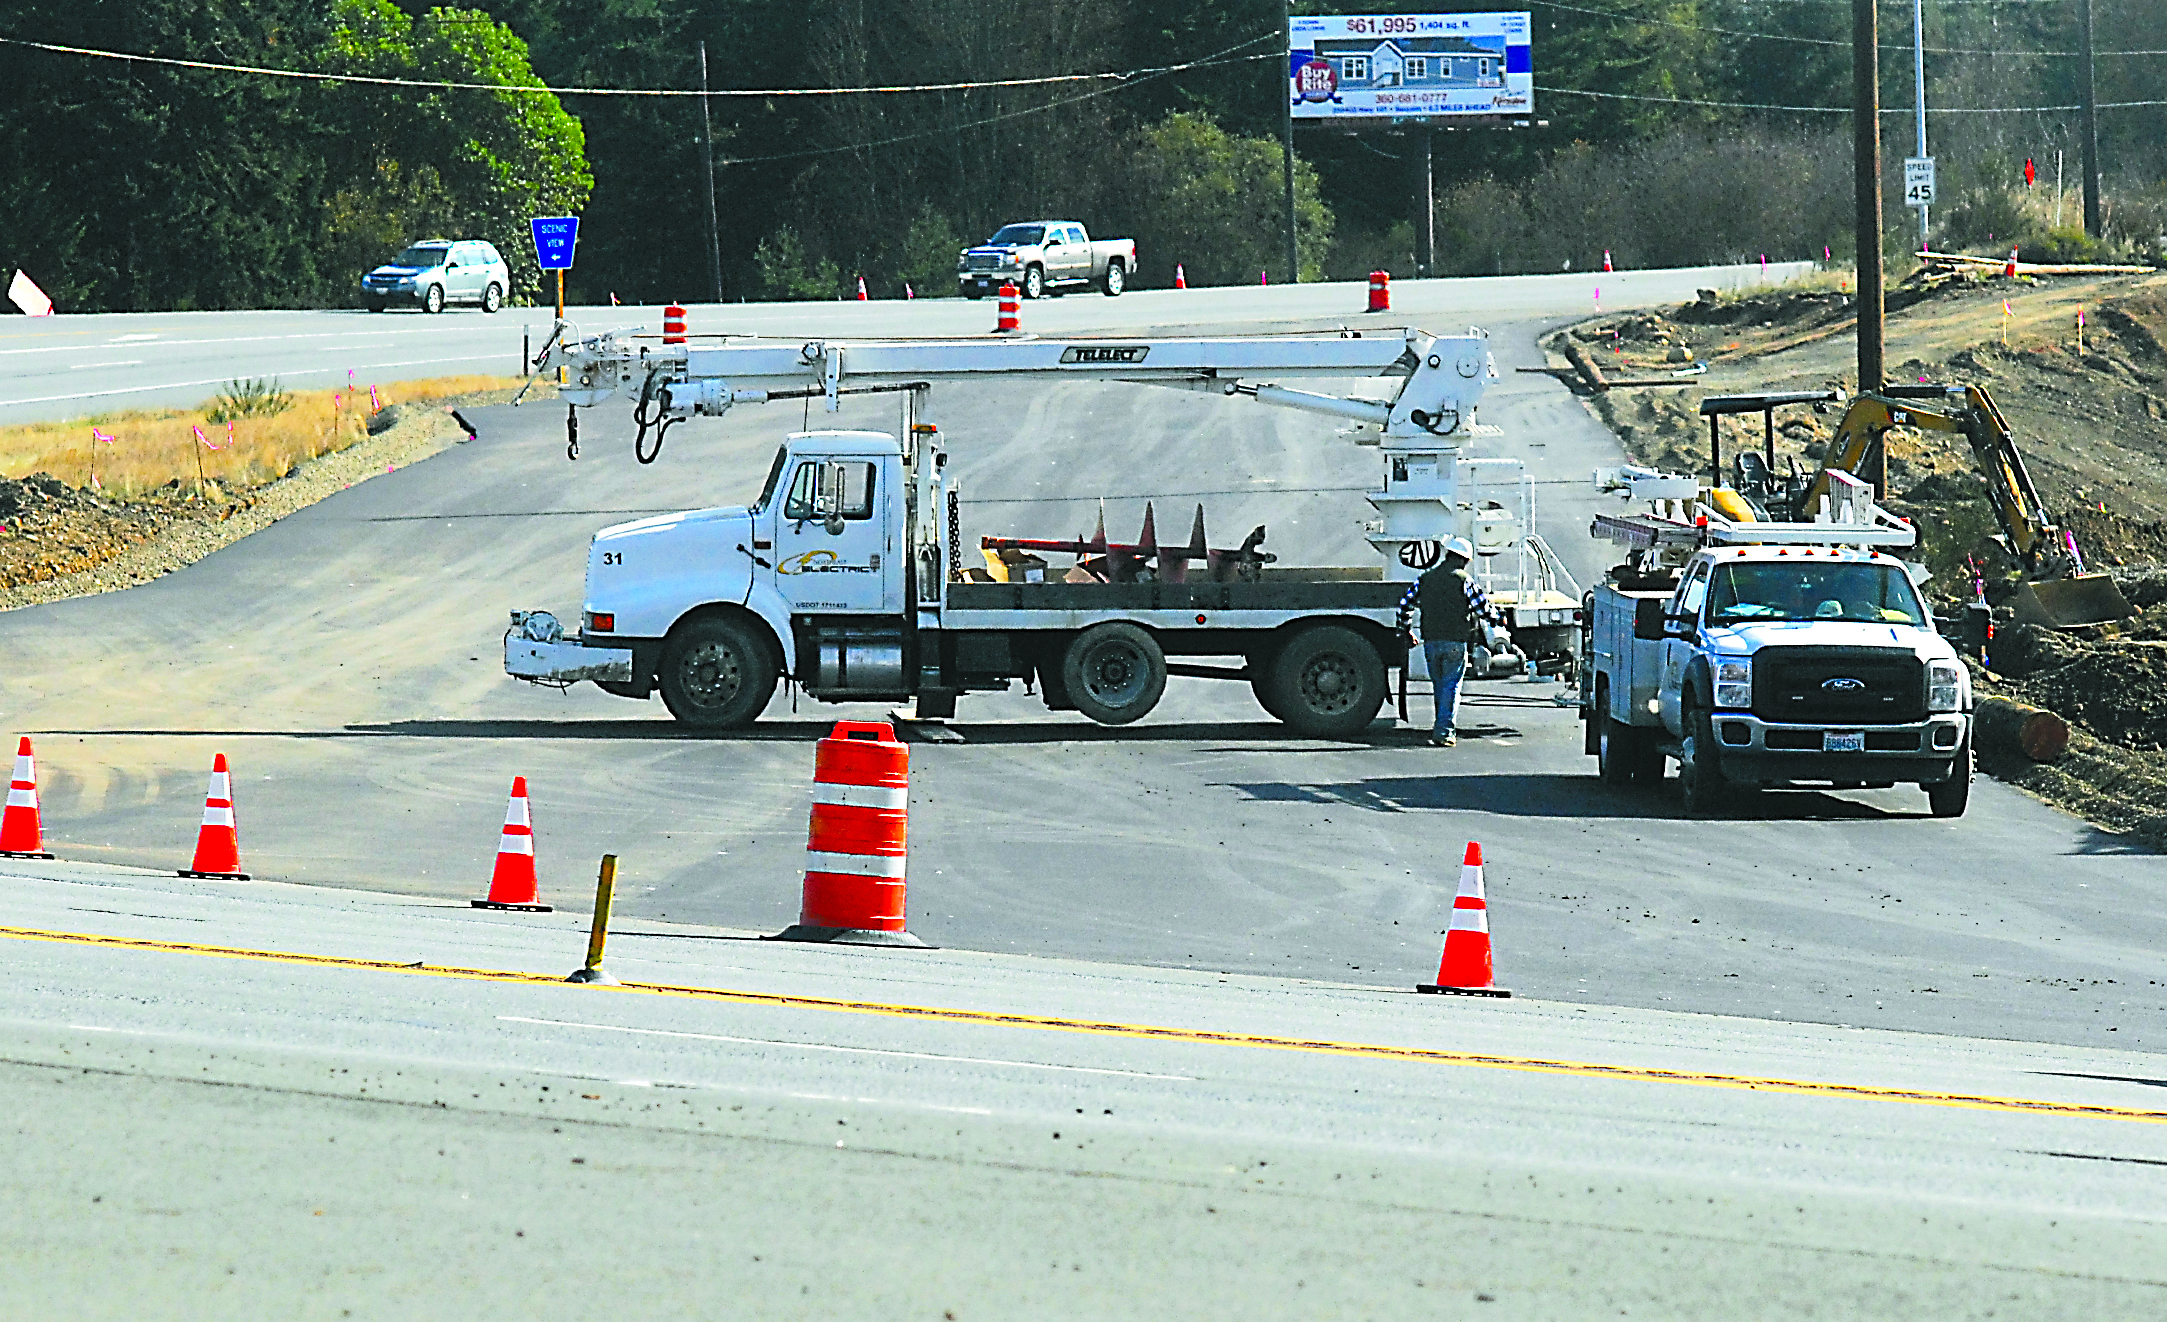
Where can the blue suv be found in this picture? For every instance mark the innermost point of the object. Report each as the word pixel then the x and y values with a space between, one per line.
pixel 435 272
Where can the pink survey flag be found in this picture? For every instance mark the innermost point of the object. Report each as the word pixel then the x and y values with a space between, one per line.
pixel 25 294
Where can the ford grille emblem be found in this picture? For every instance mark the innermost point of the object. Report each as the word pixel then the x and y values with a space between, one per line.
pixel 1843 684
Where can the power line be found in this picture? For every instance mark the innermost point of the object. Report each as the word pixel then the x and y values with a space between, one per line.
pixel 1125 75
pixel 1823 41
pixel 1223 57
pixel 1838 110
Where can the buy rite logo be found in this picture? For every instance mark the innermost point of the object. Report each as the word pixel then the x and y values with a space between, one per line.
pixel 1105 353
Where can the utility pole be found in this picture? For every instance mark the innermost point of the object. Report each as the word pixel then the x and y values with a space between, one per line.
pixel 1866 136
pixel 2091 121
pixel 1425 205
pixel 1918 93
pixel 1286 101
pixel 707 172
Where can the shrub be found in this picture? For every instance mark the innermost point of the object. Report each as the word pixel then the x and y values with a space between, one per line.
pixel 248 399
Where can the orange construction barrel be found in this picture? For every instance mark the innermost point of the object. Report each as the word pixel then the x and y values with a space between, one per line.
pixel 857 840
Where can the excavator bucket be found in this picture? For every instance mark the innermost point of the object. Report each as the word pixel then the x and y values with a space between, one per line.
pixel 2072 603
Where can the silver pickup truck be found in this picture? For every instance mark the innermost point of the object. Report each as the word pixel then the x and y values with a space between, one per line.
pixel 1043 257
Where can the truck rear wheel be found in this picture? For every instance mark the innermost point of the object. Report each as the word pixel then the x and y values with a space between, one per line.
pixel 717 674
pixel 1114 673
pixel 1115 280
pixel 1952 796
pixel 1327 683
pixel 1617 750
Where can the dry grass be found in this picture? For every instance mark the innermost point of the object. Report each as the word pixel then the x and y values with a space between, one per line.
pixel 148 450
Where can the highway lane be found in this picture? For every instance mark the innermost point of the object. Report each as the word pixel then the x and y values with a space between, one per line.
pixel 73 366
pixel 251 1133
pixel 348 660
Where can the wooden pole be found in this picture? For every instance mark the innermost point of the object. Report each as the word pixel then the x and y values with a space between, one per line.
pixel 1866 136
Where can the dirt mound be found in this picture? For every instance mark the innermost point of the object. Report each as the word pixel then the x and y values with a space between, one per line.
pixel 1793 309
pixel 2118 691
pixel 49 529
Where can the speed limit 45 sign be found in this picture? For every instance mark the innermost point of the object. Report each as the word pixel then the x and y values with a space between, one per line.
pixel 1919 181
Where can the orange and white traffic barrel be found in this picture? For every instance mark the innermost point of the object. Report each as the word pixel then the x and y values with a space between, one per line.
pixel 1010 320
pixel 1380 291
pixel 857 841
pixel 673 324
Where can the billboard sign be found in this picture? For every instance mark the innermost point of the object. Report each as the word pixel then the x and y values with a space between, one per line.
pixel 1410 66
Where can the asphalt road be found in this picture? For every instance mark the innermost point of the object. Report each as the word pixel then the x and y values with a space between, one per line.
pixel 750 1129
pixel 74 366
pixel 348 660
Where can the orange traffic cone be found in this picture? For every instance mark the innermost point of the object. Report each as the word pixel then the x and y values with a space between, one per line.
pixel 861 289
pixel 218 845
pixel 21 833
pixel 1465 969
pixel 513 885
pixel 1181 278
pixel 2011 268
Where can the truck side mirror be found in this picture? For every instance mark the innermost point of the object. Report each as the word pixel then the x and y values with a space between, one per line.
pixel 1648 619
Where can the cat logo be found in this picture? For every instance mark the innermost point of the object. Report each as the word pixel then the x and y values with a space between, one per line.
pixel 819 562
pixel 1105 353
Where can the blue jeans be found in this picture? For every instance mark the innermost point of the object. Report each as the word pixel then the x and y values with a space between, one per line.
pixel 1448 662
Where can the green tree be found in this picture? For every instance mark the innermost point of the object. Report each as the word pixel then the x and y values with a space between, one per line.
pixel 477 162
pixel 1216 204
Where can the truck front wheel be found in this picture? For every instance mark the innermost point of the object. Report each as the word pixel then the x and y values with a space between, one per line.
pixel 1114 673
pixel 1034 283
pixel 1952 796
pixel 1327 683
pixel 717 674
pixel 1699 778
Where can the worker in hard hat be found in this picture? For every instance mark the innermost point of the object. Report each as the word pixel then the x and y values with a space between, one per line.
pixel 1449 604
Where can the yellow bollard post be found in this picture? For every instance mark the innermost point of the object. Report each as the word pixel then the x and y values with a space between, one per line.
pixel 604 885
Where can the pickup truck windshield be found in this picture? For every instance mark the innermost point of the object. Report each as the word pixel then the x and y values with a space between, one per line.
pixel 1872 594
pixel 1012 235
pixel 420 256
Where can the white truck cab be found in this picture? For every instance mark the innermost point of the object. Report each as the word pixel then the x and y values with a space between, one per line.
pixel 1768 654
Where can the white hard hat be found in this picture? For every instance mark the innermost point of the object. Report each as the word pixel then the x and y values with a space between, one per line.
pixel 1460 547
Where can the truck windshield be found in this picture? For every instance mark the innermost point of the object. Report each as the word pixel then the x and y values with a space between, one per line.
pixel 774 476
pixel 1867 593
pixel 1009 235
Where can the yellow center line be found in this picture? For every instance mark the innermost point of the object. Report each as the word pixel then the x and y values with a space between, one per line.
pixel 1048 1023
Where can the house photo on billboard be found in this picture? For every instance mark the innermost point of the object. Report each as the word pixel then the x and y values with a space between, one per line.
pixel 1417 62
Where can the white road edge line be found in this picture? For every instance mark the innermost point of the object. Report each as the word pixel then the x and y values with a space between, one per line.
pixel 862 1051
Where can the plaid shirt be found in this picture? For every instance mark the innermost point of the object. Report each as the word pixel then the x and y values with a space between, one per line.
pixel 1479 607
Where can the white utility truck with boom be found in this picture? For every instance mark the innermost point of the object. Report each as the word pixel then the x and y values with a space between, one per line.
pixel 847 574
pixel 1763 653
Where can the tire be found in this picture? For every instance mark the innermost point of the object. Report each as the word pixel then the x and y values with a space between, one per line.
pixel 492 299
pixel 1327 683
pixel 1114 673
pixel 433 301
pixel 717 673
pixel 1952 796
pixel 1617 750
pixel 1115 280
pixel 1034 282
pixel 1700 774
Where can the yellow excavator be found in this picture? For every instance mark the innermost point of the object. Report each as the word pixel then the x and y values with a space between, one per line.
pixel 2057 591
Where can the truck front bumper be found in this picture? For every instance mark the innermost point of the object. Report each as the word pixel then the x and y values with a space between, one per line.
pixel 564 662
pixel 1756 751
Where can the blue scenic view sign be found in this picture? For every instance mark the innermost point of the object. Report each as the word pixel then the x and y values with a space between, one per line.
pixel 554 239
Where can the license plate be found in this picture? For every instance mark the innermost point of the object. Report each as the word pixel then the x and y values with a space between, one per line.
pixel 1843 741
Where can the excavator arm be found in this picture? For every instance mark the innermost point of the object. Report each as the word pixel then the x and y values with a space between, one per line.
pixel 2058 591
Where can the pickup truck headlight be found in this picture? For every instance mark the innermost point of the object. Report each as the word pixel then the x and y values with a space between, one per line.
pixel 1944 686
pixel 1734 684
